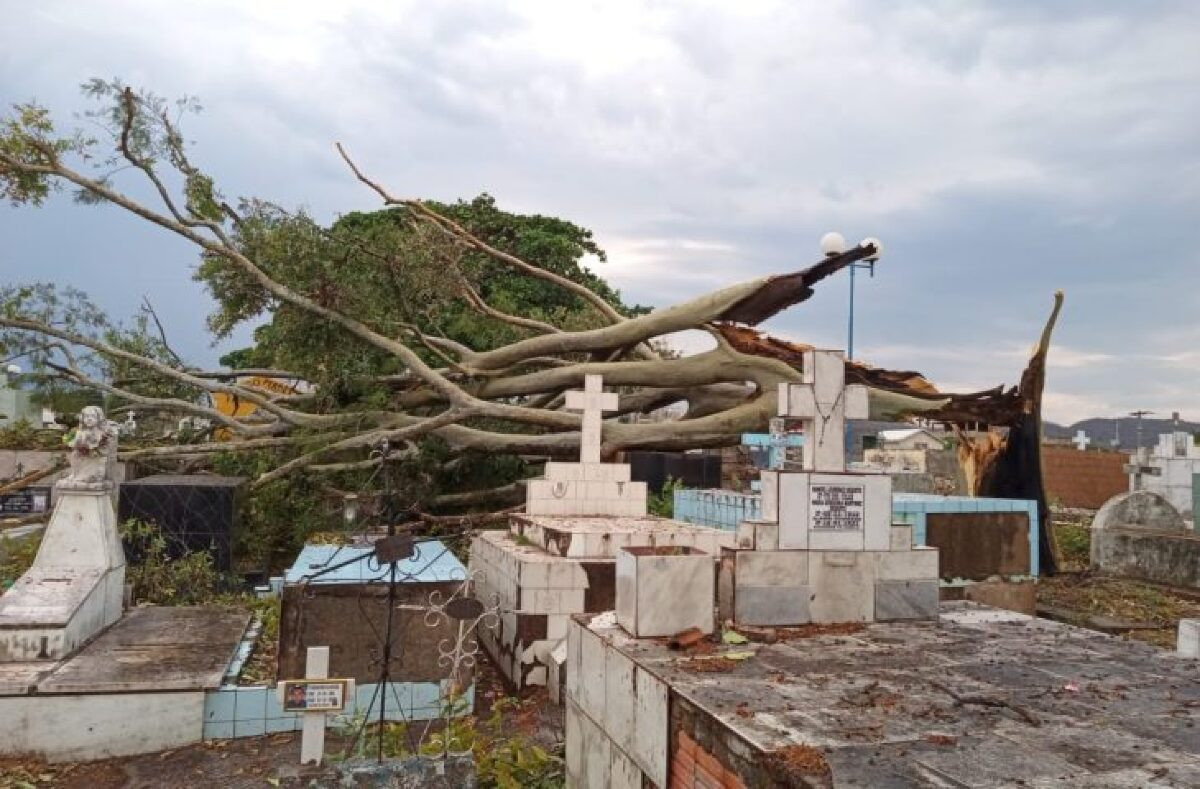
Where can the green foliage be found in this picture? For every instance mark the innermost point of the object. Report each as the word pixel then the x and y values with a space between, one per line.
pixel 1074 543
pixel 276 518
pixel 504 757
pixel 27 137
pixel 662 503
pixel 261 667
pixel 393 271
pixel 22 435
pixel 70 310
pixel 16 556
pixel 157 578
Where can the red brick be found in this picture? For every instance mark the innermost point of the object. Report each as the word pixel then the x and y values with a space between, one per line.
pixel 730 780
pixel 685 744
pixel 683 769
pixel 706 761
pixel 707 779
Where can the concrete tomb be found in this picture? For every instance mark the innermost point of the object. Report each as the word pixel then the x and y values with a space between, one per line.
pixel 559 557
pixel 195 512
pixel 878 705
pixel 335 597
pixel 1141 535
pixel 78 680
pixel 75 587
pixel 825 549
pixel 1168 469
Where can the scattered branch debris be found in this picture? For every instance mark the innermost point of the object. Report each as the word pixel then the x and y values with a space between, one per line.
pixel 29 479
pixel 989 701
pixel 709 665
pixel 814 630
pixel 1117 605
pixel 795 765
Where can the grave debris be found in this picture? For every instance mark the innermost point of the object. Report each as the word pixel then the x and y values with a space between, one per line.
pixel 795 764
pixel 989 701
pixel 687 638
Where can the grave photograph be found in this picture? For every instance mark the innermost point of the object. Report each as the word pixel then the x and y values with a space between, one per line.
pixel 598 395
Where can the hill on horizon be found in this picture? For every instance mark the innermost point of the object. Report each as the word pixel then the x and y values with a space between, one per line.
pixel 1104 432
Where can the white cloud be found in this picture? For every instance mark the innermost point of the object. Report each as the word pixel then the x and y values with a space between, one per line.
pixel 999 150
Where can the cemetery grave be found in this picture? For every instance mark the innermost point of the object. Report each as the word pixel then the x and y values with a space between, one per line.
pixel 842 669
pixel 83 677
pixel 809 641
pixel 559 557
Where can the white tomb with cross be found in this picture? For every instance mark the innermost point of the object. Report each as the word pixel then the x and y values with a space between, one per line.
pixel 1081 440
pixel 588 487
pixel 823 507
pixel 825 549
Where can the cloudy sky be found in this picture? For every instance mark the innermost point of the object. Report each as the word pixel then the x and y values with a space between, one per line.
pixel 1001 151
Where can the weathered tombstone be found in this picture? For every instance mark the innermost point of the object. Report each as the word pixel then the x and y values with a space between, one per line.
pixel 558 557
pixel 1141 535
pixel 27 501
pixel 831 553
pixel 1139 509
pixel 75 587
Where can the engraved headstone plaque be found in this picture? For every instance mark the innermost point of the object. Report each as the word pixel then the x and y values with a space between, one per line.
pixel 836 507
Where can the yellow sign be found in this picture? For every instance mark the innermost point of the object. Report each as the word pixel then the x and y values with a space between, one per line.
pixel 234 406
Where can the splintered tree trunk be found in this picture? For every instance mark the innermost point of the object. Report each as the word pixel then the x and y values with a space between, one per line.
pixel 1016 472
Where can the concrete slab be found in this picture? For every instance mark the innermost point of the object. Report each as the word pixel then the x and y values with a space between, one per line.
pixel 601 537
pixel 879 703
pixel 154 649
pixel 18 679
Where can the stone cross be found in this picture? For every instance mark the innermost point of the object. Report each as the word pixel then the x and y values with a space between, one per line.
pixel 593 401
pixel 1081 440
pixel 823 403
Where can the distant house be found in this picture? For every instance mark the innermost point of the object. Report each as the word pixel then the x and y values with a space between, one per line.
pixel 911 438
pixel 17 405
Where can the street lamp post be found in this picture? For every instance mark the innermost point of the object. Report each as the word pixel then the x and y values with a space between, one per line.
pixel 835 244
pixel 1138 416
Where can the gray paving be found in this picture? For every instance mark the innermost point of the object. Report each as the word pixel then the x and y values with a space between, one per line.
pixel 1087 709
pixel 154 648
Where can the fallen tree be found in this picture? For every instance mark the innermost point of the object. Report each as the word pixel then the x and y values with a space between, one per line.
pixel 498 398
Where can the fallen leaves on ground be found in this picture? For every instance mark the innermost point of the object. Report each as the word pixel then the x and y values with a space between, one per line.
pixel 1121 599
pixel 812 631
pixel 793 762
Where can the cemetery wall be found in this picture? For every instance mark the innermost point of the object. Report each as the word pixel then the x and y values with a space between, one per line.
pixel 1082 480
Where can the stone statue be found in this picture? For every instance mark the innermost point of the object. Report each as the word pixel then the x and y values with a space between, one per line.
pixel 92 450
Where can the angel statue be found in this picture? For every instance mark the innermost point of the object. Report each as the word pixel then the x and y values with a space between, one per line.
pixel 92 448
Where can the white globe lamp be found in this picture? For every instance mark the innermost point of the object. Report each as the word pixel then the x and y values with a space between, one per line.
pixel 873 242
pixel 833 244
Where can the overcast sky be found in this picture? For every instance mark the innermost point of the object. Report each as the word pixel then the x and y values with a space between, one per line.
pixel 1000 151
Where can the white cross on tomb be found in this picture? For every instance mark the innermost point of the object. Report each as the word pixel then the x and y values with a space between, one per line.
pixel 1081 440
pixel 331 696
pixel 593 401
pixel 823 403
